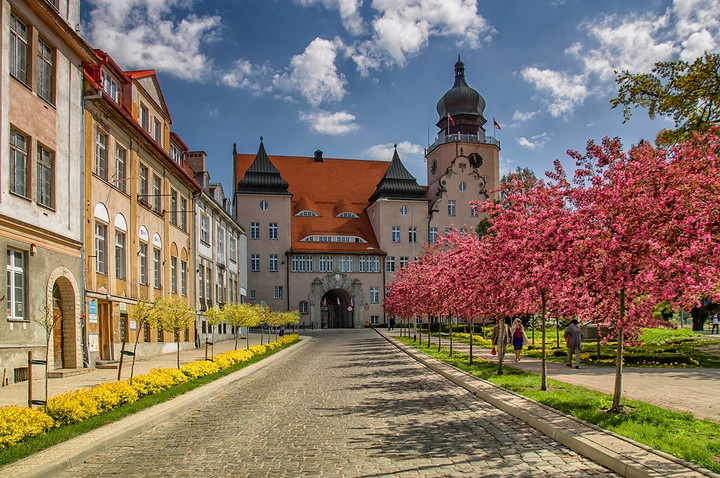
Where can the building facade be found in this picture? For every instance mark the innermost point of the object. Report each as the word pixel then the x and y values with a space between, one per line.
pixel 220 253
pixel 41 230
pixel 326 235
pixel 138 229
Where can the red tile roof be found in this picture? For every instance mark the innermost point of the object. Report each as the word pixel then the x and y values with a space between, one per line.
pixel 327 188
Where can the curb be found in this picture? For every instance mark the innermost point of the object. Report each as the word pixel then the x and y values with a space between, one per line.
pixel 616 452
pixel 58 458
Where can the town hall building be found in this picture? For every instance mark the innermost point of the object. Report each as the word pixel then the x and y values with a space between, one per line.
pixel 329 247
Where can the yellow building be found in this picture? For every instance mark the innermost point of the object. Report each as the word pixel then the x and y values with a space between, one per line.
pixel 138 210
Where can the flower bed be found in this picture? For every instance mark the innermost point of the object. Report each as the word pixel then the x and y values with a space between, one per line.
pixel 17 424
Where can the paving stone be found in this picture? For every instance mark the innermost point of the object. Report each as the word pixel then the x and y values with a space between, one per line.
pixel 348 404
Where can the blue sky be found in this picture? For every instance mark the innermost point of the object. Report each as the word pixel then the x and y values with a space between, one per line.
pixel 352 77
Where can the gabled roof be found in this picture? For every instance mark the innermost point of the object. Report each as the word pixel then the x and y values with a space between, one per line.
pixel 320 187
pixel 398 183
pixel 147 79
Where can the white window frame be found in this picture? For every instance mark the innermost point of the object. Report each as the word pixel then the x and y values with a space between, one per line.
pixel 255 262
pixel 120 255
pixel 100 248
pixel 16 287
pixel 273 231
pixel 157 268
pixel 273 262
pixel 254 230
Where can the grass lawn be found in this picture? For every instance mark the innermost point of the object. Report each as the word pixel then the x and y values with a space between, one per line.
pixel 58 435
pixel 659 348
pixel 679 434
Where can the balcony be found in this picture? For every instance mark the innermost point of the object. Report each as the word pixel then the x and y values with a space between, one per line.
pixel 480 138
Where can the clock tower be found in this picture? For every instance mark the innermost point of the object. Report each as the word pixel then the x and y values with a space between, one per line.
pixel 463 162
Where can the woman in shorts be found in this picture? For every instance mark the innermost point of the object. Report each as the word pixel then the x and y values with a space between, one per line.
pixel 517 332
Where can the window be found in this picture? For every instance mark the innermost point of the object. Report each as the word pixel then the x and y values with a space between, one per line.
pixel 173 274
pixel 46 71
pixel 295 264
pixel 252 294
pixel 144 117
pixel 142 262
pixel 433 235
pixel 15 285
pixel 255 230
pixel 45 176
pixel 120 255
pixel 183 214
pixel 255 262
pixel 204 228
pixel 396 234
pixel 201 285
pixel 463 187
pixel 403 261
pixel 220 245
pixel 173 207
pixel 374 295
pixel 273 230
pixel 101 141
pixel 111 86
pixel 390 264
pixel 307 213
pixel 18 163
pixel 376 264
pixel 451 208
pixel 157 269
pixel 404 210
pixel 219 286
pixel 233 250
pixel 19 35
pixel 308 264
pixel 120 168
pixel 346 263
pixel 175 153
pixel 412 234
pixel 349 266
pixel 341 266
pixel 326 263
pixel 157 191
pixel 100 248
pixel 208 286
pixel 278 292
pixel 348 215
pixel 361 264
pixel 273 262
pixel 264 205
pixel 474 210
pixel 157 130
pixel 303 307
pixel 183 278
pixel 374 320
pixel 143 186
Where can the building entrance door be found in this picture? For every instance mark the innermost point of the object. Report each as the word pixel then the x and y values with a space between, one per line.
pixel 334 307
pixel 105 325
pixel 57 329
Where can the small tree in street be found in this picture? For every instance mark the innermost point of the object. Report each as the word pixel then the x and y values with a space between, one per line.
pixel 174 315
pixel 143 314
pixel 214 316
pixel 48 320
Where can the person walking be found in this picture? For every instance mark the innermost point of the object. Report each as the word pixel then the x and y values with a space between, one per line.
pixel 495 336
pixel 715 324
pixel 517 332
pixel 573 338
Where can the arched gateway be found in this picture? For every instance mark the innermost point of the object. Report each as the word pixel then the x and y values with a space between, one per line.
pixel 336 301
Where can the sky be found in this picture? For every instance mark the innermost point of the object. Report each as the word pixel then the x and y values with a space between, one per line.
pixel 354 77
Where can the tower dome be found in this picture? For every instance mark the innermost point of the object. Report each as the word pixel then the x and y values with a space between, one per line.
pixel 463 104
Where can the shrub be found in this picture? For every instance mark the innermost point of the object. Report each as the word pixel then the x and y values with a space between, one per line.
pixel 158 380
pixel 17 424
pixel 73 406
pixel 258 349
pixel 199 369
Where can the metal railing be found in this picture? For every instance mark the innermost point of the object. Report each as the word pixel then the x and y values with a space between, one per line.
pixel 464 138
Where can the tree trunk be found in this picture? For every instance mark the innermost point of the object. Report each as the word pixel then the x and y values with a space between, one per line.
pixel 557 331
pixel 177 341
pixel 699 316
pixel 439 332
pixel 451 334
pixel 137 338
pixel 47 363
pixel 472 329
pixel 617 395
pixel 501 344
pixel 236 336
pixel 533 329
pixel 543 365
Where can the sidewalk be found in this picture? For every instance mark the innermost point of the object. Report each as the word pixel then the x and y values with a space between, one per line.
pixel 693 390
pixel 17 393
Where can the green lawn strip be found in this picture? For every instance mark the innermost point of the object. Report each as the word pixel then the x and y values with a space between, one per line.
pixel 58 435
pixel 660 348
pixel 679 434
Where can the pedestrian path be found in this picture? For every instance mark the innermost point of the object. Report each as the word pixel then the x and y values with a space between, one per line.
pixel 693 390
pixel 17 393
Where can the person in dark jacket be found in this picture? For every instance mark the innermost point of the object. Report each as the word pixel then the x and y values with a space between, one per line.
pixel 573 338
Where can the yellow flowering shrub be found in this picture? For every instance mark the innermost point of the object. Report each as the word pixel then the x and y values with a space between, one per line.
pixel 73 406
pixel 17 424
pixel 113 394
pixel 158 380
pixel 223 361
pixel 258 349
pixel 199 369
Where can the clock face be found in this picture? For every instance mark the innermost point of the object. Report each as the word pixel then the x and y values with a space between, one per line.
pixel 433 166
pixel 475 160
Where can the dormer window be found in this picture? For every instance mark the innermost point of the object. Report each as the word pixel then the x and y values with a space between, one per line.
pixel 307 213
pixel 351 215
pixel 110 86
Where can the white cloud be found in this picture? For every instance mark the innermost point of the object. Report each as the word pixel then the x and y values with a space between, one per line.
pixel 408 152
pixel 141 34
pixel 244 74
pixel 697 44
pixel 401 28
pixel 330 123
pixel 505 165
pixel 349 12
pixel 313 74
pixel 523 116
pixel 567 91
pixel 534 142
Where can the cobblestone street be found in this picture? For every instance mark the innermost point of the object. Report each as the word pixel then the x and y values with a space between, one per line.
pixel 348 404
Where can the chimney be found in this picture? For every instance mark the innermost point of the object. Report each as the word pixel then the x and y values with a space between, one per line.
pixel 196 160
pixel 318 156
